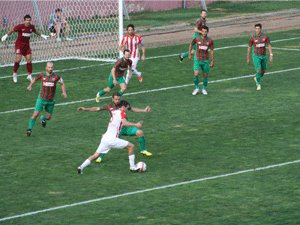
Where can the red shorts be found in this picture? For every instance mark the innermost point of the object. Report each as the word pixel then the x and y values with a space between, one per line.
pixel 22 49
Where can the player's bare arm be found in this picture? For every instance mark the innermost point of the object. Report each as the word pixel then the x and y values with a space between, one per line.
pixel 248 54
pixel 113 73
pixel 139 110
pixel 129 124
pixel 121 48
pixel 29 87
pixel 143 52
pixel 198 31
pixel 92 109
pixel 270 52
pixel 6 35
pixel 63 88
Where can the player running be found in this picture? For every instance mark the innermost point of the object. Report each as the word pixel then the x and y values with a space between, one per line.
pixel 46 95
pixel 201 59
pixel 132 42
pixel 111 137
pixel 22 46
pixel 125 131
pixel 258 42
pixel 197 31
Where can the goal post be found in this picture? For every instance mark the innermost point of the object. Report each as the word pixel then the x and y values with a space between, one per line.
pixel 95 29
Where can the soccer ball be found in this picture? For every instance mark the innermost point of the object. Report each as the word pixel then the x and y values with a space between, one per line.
pixel 141 166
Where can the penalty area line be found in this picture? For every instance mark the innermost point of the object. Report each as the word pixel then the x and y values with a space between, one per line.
pixel 150 190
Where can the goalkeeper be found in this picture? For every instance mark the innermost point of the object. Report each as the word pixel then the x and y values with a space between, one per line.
pixel 22 46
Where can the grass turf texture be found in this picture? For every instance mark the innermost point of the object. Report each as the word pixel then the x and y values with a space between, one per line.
pixel 234 128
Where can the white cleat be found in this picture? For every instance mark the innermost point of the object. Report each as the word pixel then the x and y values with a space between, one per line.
pixel 204 92
pixel 195 92
pixel 258 87
pixel 29 78
pixel 15 78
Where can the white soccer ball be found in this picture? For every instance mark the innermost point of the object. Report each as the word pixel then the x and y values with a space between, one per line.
pixel 141 166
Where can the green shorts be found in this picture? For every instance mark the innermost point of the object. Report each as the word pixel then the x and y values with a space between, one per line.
pixel 128 131
pixel 41 104
pixel 260 62
pixel 203 65
pixel 110 81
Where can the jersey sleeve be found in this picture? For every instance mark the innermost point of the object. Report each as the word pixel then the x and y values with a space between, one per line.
pixel 104 107
pixel 267 39
pixel 211 44
pixel 33 29
pixel 198 24
pixel 17 28
pixel 117 64
pixel 250 43
pixel 194 41
pixel 123 115
pixel 39 77
pixel 123 40
pixel 130 63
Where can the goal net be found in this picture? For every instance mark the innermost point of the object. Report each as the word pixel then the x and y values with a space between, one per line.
pixel 95 29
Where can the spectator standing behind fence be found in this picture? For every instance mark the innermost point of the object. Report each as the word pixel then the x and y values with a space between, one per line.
pixel 58 26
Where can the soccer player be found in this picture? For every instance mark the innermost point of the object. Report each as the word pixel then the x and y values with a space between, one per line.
pixel 111 137
pixel 126 131
pixel 197 31
pixel 58 25
pixel 22 46
pixel 116 75
pixel 201 59
pixel 258 42
pixel 46 95
pixel 132 42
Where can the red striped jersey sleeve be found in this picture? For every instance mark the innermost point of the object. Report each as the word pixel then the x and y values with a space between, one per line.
pixel 123 115
pixel 118 63
pixel 123 41
pixel 39 77
pixel 251 42
pixel 267 39
pixel 17 28
pixel 211 44
pixel 194 41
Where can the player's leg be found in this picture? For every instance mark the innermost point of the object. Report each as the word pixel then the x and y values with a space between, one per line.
pixel 58 30
pixel 123 85
pixel 17 64
pixel 258 67
pixel 110 85
pixel 196 79
pixel 142 142
pixel 205 69
pixel 38 108
pixel 49 107
pixel 28 58
pixel 131 157
pixel 66 29
pixel 134 69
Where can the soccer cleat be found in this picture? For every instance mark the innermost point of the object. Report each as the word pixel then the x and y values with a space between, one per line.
pixel 98 97
pixel 180 58
pixel 140 78
pixel 15 78
pixel 258 87
pixel 28 132
pixel 79 170
pixel 29 78
pixel 44 123
pixel 134 169
pixel 99 160
pixel 146 153
pixel 195 92
pixel 204 92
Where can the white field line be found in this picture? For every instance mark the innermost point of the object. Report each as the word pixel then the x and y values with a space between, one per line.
pixel 153 90
pixel 154 57
pixel 149 190
pixel 287 49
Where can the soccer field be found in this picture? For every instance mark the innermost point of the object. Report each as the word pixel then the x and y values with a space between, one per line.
pixel 231 157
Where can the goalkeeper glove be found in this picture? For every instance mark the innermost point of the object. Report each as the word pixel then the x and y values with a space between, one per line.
pixel 4 37
pixel 44 36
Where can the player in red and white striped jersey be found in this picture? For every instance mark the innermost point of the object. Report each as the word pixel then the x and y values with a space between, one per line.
pixel 132 42
pixel 111 137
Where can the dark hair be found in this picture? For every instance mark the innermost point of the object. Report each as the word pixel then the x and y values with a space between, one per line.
pixel 126 50
pixel 206 28
pixel 27 17
pixel 130 25
pixel 116 94
pixel 203 10
pixel 125 104
pixel 258 25
pixel 58 10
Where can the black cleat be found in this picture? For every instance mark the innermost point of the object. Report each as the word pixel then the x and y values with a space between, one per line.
pixel 28 132
pixel 79 170
pixel 44 123
pixel 180 58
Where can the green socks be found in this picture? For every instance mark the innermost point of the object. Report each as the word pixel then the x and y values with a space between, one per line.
pixel 102 155
pixel 184 55
pixel 258 77
pixel 31 123
pixel 120 92
pixel 43 117
pixel 196 81
pixel 102 92
pixel 142 143
pixel 205 82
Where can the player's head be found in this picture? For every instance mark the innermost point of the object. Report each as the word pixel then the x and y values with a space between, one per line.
pixel 58 11
pixel 205 30
pixel 124 105
pixel 49 67
pixel 203 13
pixel 116 98
pixel 126 54
pixel 130 29
pixel 258 28
pixel 27 20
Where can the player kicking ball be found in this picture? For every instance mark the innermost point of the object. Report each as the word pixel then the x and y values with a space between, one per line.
pixel 111 138
pixel 22 45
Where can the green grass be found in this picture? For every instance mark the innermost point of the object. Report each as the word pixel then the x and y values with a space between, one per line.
pixel 232 129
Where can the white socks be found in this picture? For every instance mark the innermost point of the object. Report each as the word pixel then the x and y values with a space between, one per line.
pixel 85 164
pixel 131 161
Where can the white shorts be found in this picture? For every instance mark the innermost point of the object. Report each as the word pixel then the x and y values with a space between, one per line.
pixel 134 62
pixel 108 143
